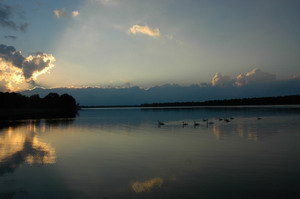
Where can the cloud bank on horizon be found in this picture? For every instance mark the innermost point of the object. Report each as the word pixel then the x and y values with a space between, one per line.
pixel 256 76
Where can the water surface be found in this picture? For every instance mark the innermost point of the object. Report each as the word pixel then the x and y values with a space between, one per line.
pixel 123 153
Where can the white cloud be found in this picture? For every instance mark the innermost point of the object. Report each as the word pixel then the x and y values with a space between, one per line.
pixel 256 76
pixel 221 80
pixel 253 77
pixel 63 13
pixel 60 13
pixel 75 13
pixel 146 30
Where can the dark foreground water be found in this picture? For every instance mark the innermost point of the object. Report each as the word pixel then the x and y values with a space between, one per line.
pixel 123 153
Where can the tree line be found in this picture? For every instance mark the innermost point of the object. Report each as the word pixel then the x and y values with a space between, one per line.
pixel 280 100
pixel 50 101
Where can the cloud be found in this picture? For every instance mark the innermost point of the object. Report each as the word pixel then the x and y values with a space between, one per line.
pixel 59 13
pixel 17 70
pixel 75 13
pixel 221 80
pixel 255 76
pixel 146 30
pixel 7 14
pixel 170 37
pixel 63 13
pixel 105 2
pixel 10 37
pixel 35 65
pixel 23 27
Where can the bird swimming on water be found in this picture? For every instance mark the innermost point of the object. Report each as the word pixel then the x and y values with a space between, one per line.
pixel 184 124
pixel 196 124
pixel 159 123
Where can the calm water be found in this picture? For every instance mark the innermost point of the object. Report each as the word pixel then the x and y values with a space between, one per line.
pixel 122 153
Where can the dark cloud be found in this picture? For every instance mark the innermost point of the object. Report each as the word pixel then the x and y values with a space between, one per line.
pixel 10 37
pixel 7 14
pixel 23 27
pixel 9 54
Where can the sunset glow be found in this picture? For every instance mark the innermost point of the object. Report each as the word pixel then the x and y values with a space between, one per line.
pixel 110 43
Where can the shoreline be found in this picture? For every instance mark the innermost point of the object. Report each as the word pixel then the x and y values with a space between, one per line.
pixel 296 106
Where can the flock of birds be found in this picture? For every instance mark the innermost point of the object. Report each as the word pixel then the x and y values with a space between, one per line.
pixel 195 124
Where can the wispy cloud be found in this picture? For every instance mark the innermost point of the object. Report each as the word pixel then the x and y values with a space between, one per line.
pixel 105 2
pixel 10 37
pixel 7 14
pixel 146 30
pixel 59 13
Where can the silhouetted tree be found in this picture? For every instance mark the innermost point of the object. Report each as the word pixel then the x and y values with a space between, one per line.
pixel 51 101
pixel 66 101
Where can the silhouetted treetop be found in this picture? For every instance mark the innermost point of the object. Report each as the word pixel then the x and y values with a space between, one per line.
pixel 52 100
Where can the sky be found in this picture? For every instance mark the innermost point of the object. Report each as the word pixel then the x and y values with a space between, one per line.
pixel 146 43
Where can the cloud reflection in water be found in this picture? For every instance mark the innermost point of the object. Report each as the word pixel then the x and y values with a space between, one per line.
pixel 147 186
pixel 20 145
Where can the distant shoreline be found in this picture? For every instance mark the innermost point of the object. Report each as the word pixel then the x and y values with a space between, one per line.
pixel 292 106
pixel 290 100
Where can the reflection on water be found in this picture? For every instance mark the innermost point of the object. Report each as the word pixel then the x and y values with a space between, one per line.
pixel 220 131
pixel 147 185
pixel 20 145
pixel 113 153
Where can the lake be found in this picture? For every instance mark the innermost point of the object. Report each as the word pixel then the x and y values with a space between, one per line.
pixel 124 153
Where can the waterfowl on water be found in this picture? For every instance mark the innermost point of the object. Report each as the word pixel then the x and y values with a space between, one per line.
pixel 226 120
pixel 159 123
pixel 196 124
pixel 184 124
